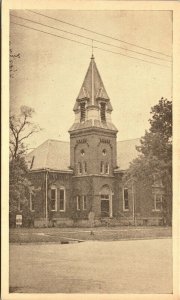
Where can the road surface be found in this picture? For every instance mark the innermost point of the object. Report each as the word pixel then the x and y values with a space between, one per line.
pixel 140 266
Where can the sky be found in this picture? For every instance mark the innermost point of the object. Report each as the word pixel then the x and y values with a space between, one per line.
pixel 51 70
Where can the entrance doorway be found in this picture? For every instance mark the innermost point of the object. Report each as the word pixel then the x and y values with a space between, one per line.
pixel 106 201
pixel 104 206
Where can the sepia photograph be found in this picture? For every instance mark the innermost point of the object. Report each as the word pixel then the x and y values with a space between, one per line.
pixel 90 193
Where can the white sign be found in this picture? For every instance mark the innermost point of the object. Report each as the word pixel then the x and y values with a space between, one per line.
pixel 19 220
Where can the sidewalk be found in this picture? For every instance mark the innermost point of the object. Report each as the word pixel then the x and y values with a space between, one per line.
pixel 58 235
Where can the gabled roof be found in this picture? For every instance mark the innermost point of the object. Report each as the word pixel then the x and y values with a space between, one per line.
pixel 93 87
pixel 52 154
pixel 126 152
pixel 55 155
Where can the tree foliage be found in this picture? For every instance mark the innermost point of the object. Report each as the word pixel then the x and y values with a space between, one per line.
pixel 19 185
pixel 154 162
pixel 158 141
pixel 21 128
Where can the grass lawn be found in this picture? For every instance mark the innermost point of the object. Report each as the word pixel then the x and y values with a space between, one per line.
pixel 63 235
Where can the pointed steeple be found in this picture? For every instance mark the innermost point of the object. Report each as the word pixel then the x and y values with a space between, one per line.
pixel 92 88
pixel 93 107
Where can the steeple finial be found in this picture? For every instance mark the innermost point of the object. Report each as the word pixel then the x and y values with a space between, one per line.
pixel 92 76
pixel 92 57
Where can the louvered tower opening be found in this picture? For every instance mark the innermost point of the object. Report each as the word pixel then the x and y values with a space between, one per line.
pixel 103 112
pixel 83 111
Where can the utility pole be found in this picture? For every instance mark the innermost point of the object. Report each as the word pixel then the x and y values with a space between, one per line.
pixel 133 200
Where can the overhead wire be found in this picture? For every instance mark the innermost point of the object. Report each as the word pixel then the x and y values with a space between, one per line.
pixel 98 33
pixel 88 38
pixel 95 47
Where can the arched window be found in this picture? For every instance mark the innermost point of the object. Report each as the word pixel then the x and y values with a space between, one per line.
pixel 107 168
pixel 106 201
pixel 84 202
pixel 103 111
pixel 85 167
pixel 79 168
pixel 102 167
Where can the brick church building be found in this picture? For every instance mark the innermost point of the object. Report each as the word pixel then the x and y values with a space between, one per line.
pixel 80 183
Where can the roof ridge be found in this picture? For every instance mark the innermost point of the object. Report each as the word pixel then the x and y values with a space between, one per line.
pixel 58 140
pixel 101 80
pixel 129 140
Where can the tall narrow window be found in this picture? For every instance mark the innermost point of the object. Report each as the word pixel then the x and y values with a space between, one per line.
pixel 103 112
pixel 102 167
pixel 78 199
pixel 53 199
pixel 107 168
pixel 126 199
pixel 83 111
pixel 32 202
pixel 84 202
pixel 79 168
pixel 85 167
pixel 62 200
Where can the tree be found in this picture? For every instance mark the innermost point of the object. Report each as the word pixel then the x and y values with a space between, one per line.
pixel 21 128
pixel 18 183
pixel 158 141
pixel 155 160
pixel 12 57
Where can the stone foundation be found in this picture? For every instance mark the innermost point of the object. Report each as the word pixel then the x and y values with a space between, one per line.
pixel 67 222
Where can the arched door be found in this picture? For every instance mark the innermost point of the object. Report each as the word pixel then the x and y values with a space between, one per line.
pixel 106 201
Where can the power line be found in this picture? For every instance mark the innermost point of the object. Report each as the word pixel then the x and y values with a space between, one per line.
pixel 52 34
pixel 85 37
pixel 132 57
pixel 98 33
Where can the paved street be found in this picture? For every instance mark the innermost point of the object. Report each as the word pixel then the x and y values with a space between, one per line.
pixel 140 266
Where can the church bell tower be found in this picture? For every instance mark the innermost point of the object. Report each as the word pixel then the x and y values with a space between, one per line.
pixel 93 135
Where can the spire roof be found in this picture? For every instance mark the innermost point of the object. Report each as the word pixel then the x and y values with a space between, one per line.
pixel 93 87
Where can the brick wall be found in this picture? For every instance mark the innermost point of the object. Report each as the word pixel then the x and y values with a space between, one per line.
pixel 93 143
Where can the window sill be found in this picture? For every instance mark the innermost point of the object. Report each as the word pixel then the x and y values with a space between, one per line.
pixel 105 174
pixel 156 210
pixel 62 210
